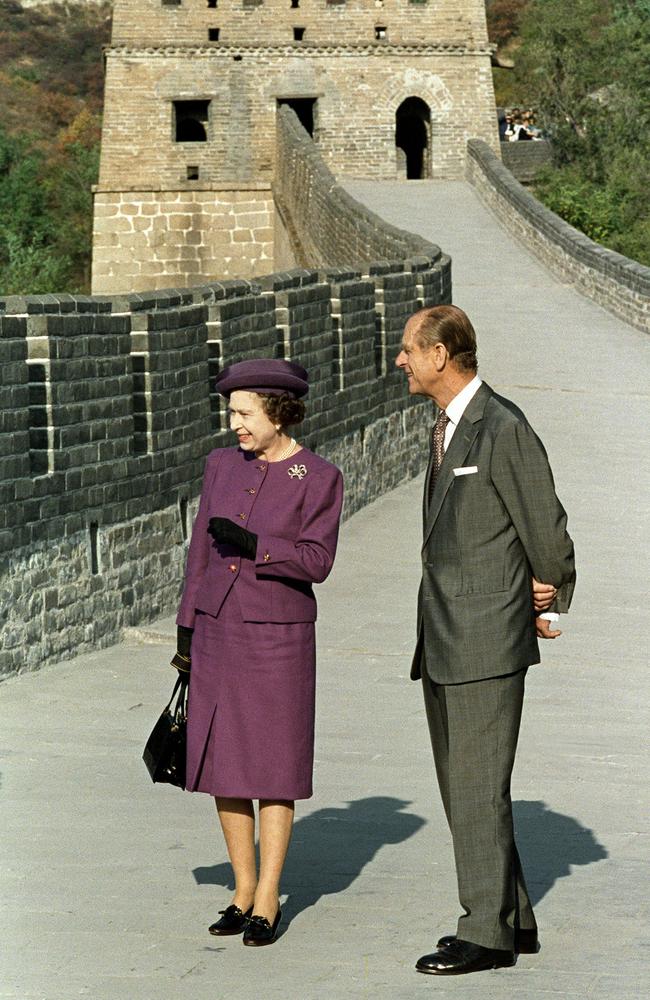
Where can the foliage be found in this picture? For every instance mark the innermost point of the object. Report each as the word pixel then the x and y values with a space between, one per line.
pixel 585 68
pixel 51 82
pixel 503 19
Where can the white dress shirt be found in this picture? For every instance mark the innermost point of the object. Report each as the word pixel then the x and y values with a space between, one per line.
pixel 454 411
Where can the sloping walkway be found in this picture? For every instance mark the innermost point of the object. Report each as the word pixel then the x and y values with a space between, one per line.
pixel 109 883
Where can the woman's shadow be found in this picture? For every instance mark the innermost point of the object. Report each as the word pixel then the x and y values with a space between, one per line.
pixel 331 847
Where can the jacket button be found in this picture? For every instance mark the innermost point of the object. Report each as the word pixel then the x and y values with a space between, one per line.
pixel 232 568
pixel 251 491
pixel 267 557
pixel 243 516
pixel 260 467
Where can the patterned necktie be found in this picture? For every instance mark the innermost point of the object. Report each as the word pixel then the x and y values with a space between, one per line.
pixel 438 449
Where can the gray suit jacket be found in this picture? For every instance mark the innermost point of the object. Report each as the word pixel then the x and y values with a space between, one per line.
pixel 485 535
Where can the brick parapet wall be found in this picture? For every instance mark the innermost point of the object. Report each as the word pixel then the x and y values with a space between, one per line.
pixel 324 223
pixel 109 411
pixel 525 159
pixel 619 284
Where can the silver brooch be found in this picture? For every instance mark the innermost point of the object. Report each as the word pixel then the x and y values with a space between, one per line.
pixel 297 471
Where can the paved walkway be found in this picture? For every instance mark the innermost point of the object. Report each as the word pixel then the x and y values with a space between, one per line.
pixel 109 883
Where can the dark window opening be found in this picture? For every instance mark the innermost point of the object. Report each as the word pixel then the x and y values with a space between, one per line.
pixel 298 34
pixel 212 4
pixel 338 374
pixel 213 34
pixel 93 547
pixel 190 121
pixel 305 108
pixel 295 4
pixel 381 32
pixel 193 173
pixel 140 405
pixel 237 58
pixel 182 511
pixel 412 131
pixel 171 3
pixel 217 421
pixel 39 421
pixel 380 346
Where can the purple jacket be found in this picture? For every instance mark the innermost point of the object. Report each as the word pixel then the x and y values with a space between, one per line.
pixel 294 508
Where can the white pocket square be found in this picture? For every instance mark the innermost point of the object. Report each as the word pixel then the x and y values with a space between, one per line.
pixel 466 470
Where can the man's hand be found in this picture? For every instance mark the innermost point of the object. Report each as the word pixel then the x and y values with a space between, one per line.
pixel 545 629
pixel 543 595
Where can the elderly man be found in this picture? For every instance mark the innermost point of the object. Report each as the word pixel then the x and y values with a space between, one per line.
pixel 496 554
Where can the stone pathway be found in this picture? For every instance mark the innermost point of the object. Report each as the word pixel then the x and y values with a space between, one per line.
pixel 109 883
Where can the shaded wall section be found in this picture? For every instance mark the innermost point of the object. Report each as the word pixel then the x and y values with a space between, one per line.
pixel 109 409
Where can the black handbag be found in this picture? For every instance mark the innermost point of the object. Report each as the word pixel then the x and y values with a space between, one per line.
pixel 164 753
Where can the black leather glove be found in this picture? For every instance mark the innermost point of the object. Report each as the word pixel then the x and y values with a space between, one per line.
pixel 226 531
pixel 182 658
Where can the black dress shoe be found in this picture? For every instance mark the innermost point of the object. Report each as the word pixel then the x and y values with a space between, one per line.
pixel 233 921
pixel 259 931
pixel 460 957
pixel 526 941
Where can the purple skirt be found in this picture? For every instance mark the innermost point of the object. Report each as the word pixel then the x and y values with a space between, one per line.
pixel 250 726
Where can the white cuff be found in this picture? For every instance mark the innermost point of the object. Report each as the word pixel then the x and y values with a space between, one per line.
pixel 551 616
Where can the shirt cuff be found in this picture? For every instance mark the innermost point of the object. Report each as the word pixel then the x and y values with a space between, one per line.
pixel 551 616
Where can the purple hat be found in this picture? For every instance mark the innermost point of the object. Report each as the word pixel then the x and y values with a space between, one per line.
pixel 267 375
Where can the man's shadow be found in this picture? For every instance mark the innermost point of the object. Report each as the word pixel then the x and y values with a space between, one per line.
pixel 331 847
pixel 550 845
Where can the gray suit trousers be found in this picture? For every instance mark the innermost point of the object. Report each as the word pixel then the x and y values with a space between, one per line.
pixel 474 729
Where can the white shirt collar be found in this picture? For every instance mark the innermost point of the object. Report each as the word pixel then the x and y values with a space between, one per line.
pixel 461 401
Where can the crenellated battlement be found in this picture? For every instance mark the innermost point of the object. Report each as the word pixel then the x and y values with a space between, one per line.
pixel 108 409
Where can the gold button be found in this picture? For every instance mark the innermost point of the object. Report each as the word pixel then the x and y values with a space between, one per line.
pixel 251 491
pixel 260 467
pixel 232 568
pixel 243 516
pixel 267 557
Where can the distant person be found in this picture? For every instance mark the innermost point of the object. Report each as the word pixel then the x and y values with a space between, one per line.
pixel 493 528
pixel 528 119
pixel 503 124
pixel 266 530
pixel 519 130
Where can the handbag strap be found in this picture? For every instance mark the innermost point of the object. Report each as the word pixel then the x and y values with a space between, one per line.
pixel 182 682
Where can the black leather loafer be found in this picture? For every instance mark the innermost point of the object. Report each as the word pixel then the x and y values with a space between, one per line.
pixel 233 921
pixel 460 957
pixel 259 931
pixel 526 942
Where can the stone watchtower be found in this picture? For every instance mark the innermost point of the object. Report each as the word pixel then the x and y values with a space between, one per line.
pixel 387 88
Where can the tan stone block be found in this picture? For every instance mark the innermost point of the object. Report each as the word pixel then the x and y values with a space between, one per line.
pixel 142 224
pixel 180 221
pixel 105 211
pixel 134 241
pixel 263 235
pixel 103 240
pixel 241 236
pixel 253 220
pixel 150 209
pixel 101 226
pixel 129 208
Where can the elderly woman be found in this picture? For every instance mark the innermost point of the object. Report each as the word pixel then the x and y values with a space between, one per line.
pixel 266 530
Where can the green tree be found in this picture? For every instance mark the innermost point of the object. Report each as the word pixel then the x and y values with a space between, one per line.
pixel 586 69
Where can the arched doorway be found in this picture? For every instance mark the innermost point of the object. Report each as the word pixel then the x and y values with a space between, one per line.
pixel 412 137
